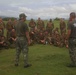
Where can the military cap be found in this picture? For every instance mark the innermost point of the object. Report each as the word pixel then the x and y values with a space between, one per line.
pixel 50 20
pixel 22 15
pixel 73 14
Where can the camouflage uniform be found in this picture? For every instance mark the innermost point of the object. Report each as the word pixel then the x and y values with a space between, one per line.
pixel 64 42
pixel 72 40
pixel 21 41
pixel 9 27
pixel 40 25
pixel 41 37
pixel 3 42
pixel 1 33
pixel 62 26
pixel 32 26
pixel 72 50
pixel 12 38
pixel 56 37
pixel 50 27
pixel 2 26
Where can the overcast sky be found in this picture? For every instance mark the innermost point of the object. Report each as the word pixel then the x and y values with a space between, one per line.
pixel 45 9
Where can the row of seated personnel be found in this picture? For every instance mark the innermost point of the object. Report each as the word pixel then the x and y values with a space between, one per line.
pixel 37 37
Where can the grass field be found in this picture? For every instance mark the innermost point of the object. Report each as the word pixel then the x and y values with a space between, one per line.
pixel 45 60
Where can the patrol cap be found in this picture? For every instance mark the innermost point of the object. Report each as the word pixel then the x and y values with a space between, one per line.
pixel 73 14
pixel 22 15
pixel 50 20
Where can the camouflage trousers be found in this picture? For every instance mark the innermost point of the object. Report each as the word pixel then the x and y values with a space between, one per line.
pixel 21 46
pixel 72 50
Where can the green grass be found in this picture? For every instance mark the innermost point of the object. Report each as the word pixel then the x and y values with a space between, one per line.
pixel 45 60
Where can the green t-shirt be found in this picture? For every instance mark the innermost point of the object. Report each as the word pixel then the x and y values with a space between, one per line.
pixel 21 28
pixel 72 27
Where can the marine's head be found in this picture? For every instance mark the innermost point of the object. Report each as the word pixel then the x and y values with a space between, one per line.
pixel 22 16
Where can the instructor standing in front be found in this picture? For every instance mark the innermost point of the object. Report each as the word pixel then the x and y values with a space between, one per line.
pixel 22 41
pixel 71 36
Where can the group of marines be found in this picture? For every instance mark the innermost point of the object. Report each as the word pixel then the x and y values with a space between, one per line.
pixel 48 34
pixel 38 31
